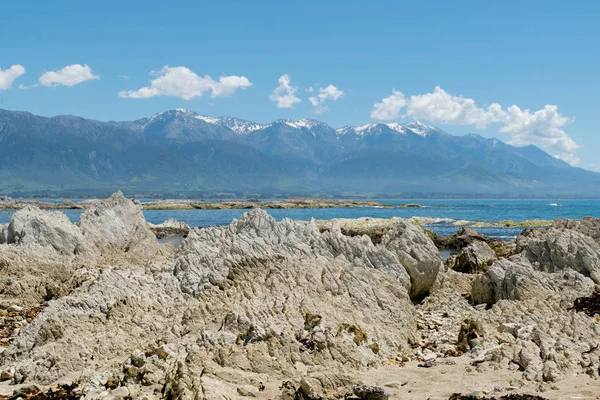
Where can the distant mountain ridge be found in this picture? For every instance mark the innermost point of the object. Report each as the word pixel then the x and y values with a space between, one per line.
pixel 180 151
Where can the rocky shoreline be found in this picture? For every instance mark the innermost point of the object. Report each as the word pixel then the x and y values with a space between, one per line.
pixel 7 203
pixel 363 309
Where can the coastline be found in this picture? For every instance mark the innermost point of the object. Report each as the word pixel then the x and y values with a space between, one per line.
pixel 286 295
pixel 174 204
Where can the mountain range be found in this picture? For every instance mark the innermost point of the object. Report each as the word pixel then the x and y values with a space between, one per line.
pixel 182 153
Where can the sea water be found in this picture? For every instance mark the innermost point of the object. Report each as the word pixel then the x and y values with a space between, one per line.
pixel 486 210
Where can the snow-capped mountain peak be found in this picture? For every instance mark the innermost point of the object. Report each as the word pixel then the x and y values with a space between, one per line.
pixel 416 127
pixel 419 128
pixel 243 127
pixel 239 126
pixel 306 123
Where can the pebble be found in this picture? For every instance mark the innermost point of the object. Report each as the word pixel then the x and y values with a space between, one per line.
pixel 395 384
pixel 14 308
pixel 365 392
pixel 7 374
pixel 429 357
pixel 121 391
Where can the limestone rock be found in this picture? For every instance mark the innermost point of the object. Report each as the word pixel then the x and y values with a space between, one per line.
pixel 208 255
pixel 418 255
pixel 118 224
pixel 462 238
pixel 170 227
pixel 554 249
pixel 588 226
pixel 516 279
pixel 258 296
pixel 32 226
pixel 3 233
pixel 474 258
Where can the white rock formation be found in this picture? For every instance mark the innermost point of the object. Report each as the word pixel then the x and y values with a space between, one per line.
pixel 516 279
pixel 417 253
pixel 3 233
pixel 282 303
pixel 32 226
pixel 117 224
pixel 553 250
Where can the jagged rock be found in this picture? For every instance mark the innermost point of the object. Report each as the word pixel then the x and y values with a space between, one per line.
pixel 170 227
pixel 462 238
pixel 3 233
pixel 241 298
pixel 118 224
pixel 474 258
pixel 32 226
pixel 417 253
pixel 280 303
pixel 516 279
pixel 588 226
pixel 209 254
pixel 554 250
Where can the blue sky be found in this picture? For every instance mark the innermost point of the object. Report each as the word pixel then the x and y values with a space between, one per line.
pixel 483 57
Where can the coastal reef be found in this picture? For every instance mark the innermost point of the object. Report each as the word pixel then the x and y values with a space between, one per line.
pixel 102 309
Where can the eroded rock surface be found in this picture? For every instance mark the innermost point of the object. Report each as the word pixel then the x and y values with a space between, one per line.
pixel 417 254
pixel 555 249
pixel 32 226
pixel 475 257
pixel 117 224
pixel 283 310
pixel 587 226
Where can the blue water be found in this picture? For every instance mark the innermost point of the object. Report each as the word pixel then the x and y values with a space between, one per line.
pixel 473 210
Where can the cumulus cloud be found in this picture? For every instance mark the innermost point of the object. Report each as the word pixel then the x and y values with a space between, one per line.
pixel 70 75
pixel 544 128
pixel 184 83
pixel 285 94
pixel 329 93
pixel 440 106
pixel 569 158
pixel 8 76
pixel 389 107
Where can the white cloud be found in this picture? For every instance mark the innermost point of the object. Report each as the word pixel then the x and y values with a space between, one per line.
pixel 8 76
pixel 569 158
pixel 285 94
pixel 543 128
pixel 440 106
pixel 390 107
pixel 70 75
pixel 123 77
pixel 310 89
pixel 328 93
pixel 183 82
